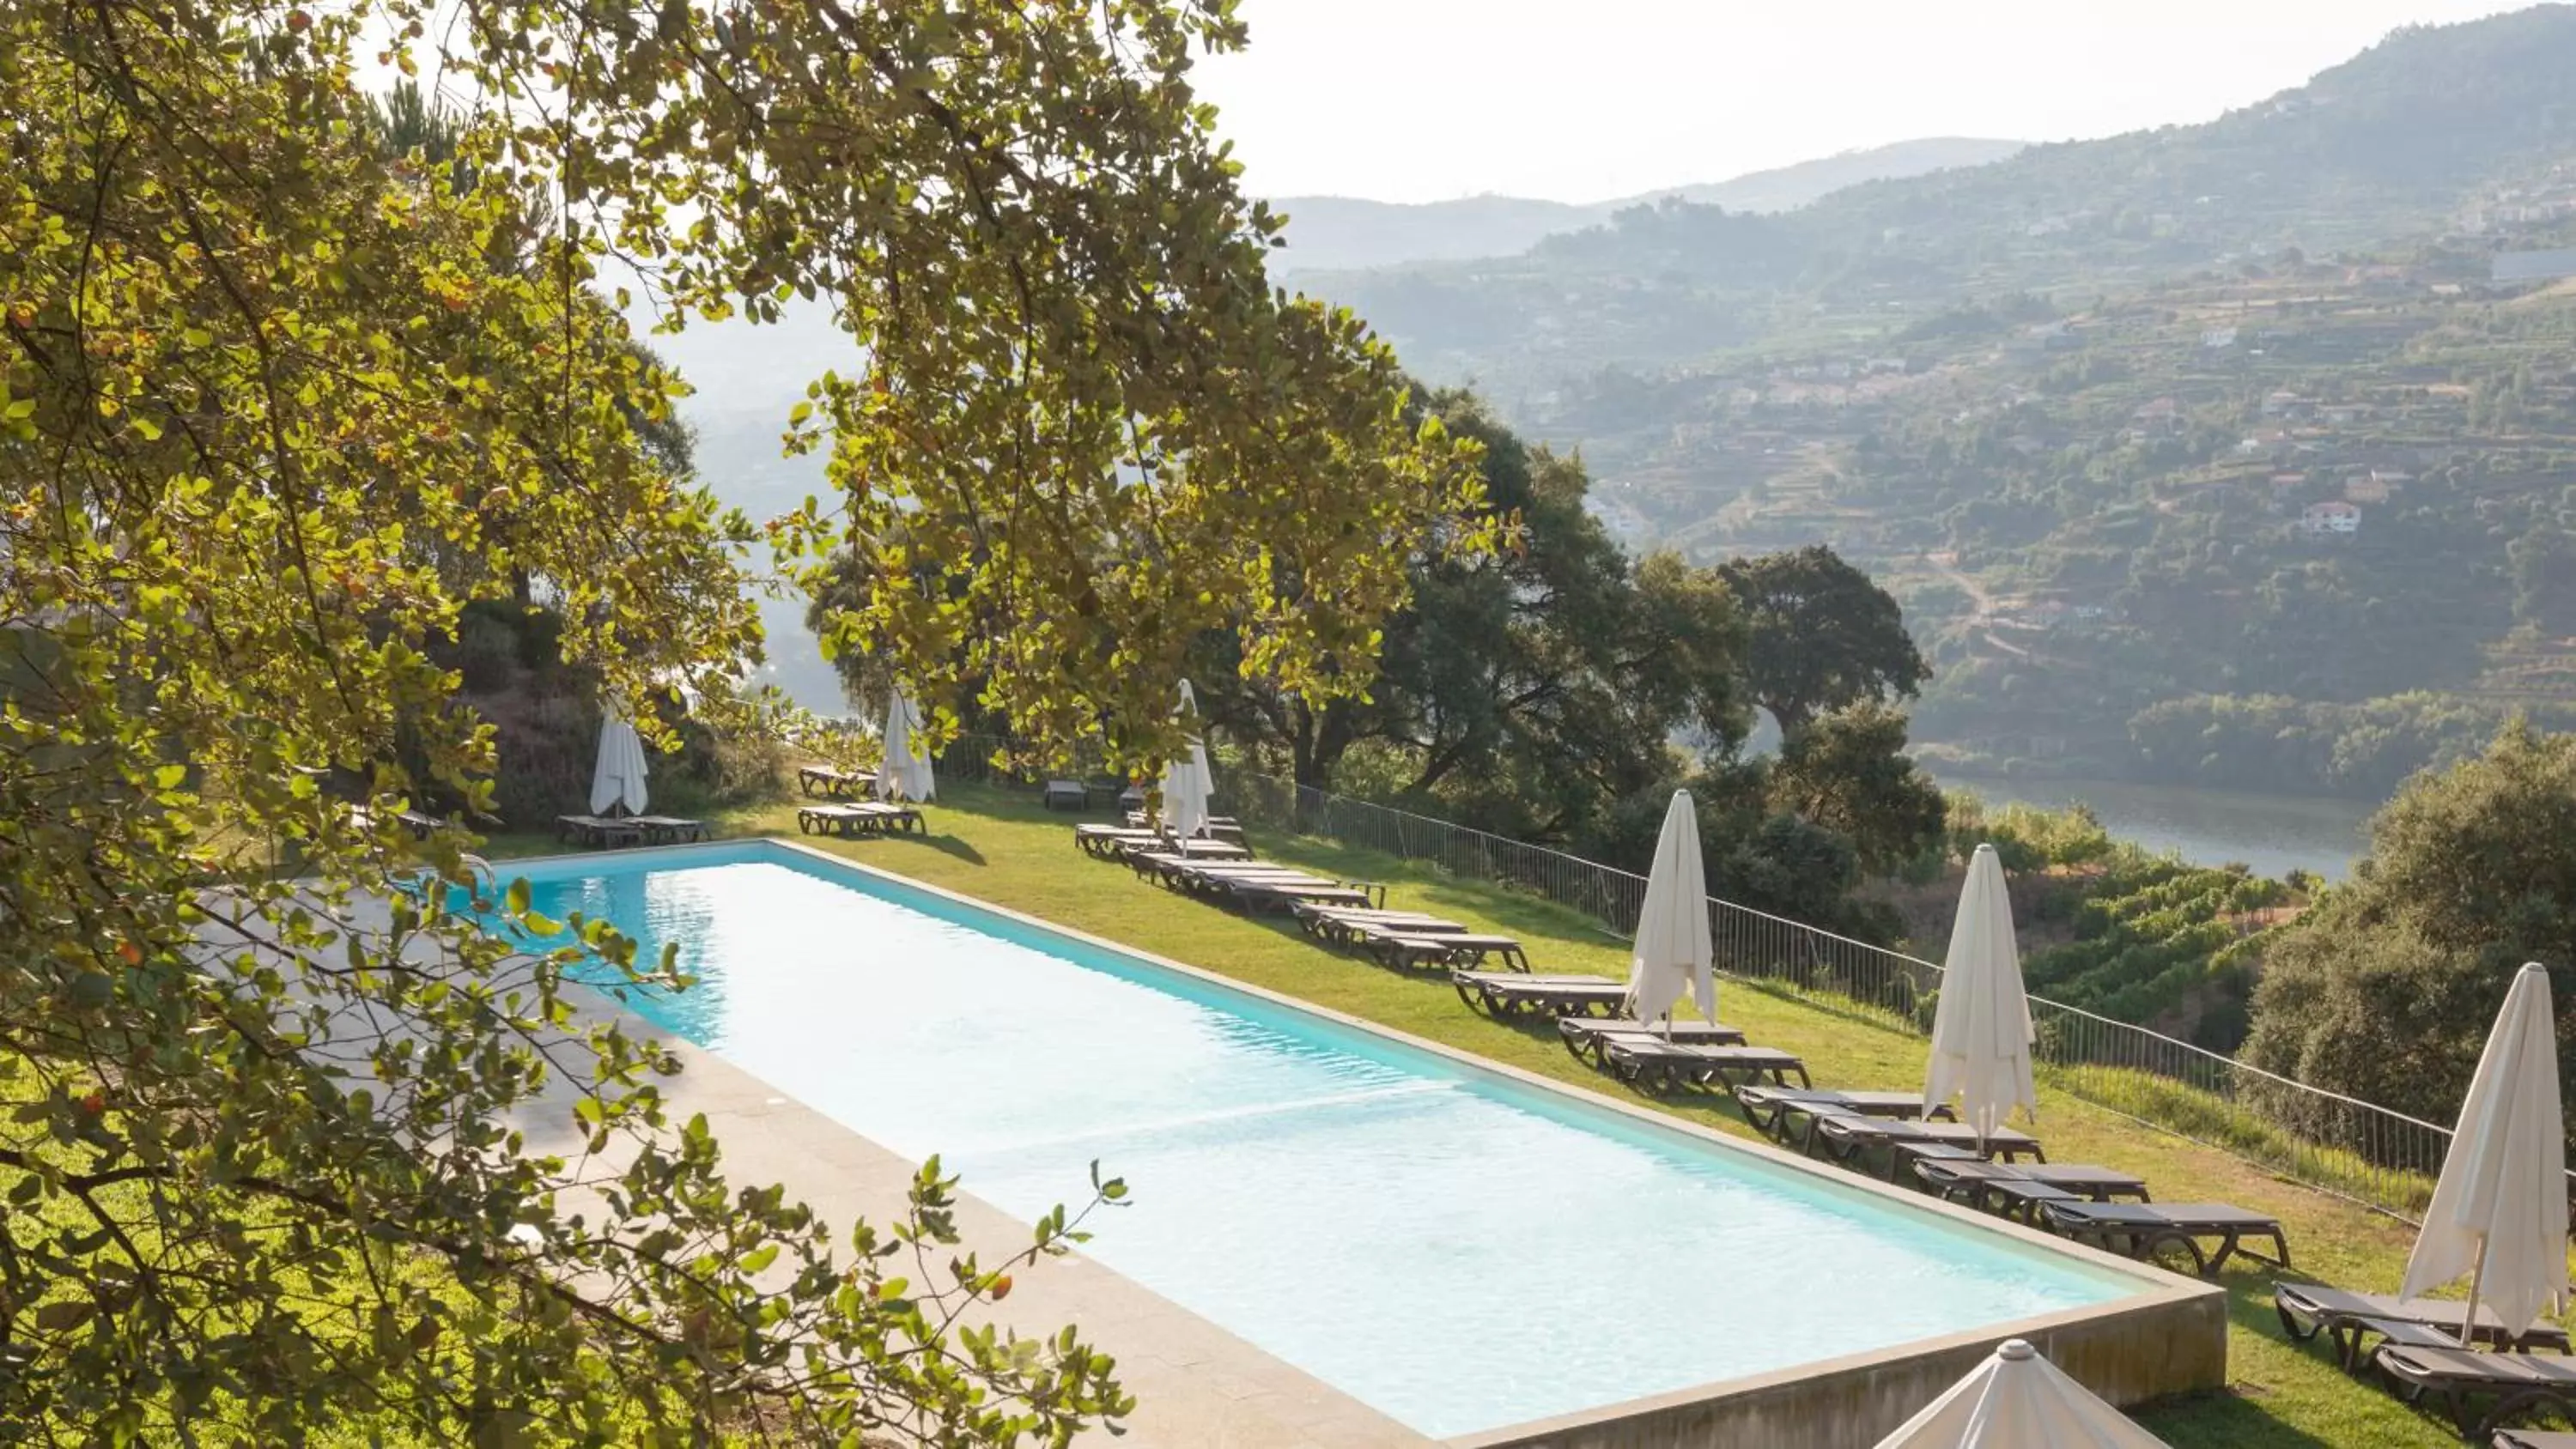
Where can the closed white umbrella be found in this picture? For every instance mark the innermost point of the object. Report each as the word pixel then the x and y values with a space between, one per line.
pixel 617 781
pixel 2017 1399
pixel 1672 956
pixel 905 775
pixel 1981 1031
pixel 2499 1214
pixel 1187 781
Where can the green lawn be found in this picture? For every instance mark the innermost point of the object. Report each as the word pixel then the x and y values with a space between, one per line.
pixel 1000 847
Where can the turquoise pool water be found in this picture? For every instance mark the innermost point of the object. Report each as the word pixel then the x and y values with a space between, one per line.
pixel 1460 1251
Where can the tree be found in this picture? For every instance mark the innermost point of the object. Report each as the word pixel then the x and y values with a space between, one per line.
pixel 1848 771
pixel 2543 561
pixel 2386 991
pixel 278 401
pixel 1528 689
pixel 1821 635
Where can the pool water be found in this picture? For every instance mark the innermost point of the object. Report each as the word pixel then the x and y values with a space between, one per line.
pixel 1460 1251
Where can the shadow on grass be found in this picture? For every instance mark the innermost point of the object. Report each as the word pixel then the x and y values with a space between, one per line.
pixel 947 845
pixel 2231 1416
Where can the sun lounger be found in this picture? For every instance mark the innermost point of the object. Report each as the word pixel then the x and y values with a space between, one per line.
pixel 1656 1065
pixel 669 829
pixel 1505 993
pixel 1064 795
pixel 2511 1385
pixel 604 830
pixel 1116 842
pixel 2534 1439
pixel 1251 885
pixel 2308 1309
pixel 1407 946
pixel 1844 1136
pixel 2142 1229
pixel 2021 1199
pixel 1340 925
pixel 863 818
pixel 1772 1109
pixel 836 783
pixel 1258 894
pixel 1585 1037
pixel 2015 1189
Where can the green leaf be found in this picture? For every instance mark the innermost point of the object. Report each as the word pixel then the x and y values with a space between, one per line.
pixel 64 1314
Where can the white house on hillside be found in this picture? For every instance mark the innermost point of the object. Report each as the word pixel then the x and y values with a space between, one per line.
pixel 2333 516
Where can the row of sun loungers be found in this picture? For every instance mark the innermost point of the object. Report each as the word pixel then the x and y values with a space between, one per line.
pixel 870 817
pixel 2350 1320
pixel 2004 1172
pixel 2424 1351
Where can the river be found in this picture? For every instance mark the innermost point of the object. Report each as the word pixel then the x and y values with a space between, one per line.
pixel 2274 834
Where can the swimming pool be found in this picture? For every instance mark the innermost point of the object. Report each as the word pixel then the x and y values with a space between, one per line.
pixel 1376 1214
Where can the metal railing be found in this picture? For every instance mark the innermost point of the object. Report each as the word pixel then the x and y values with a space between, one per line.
pixel 2352 1149
pixel 2340 1145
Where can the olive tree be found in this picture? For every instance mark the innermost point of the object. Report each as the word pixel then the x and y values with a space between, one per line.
pixel 278 400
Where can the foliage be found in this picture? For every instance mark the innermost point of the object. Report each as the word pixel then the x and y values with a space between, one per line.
pixel 1848 771
pixel 2027 838
pixel 278 401
pixel 2113 929
pixel 1822 635
pixel 2269 742
pixel 2544 578
pixel 2386 992
pixel 1525 691
pixel 2164 944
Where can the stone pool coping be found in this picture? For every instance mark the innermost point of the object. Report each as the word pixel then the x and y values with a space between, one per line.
pixel 1198 1384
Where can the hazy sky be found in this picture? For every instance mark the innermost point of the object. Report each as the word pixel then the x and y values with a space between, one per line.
pixel 1583 100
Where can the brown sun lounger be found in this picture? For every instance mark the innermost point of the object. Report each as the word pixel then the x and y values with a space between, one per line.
pixel 1407 946
pixel 1504 993
pixel 2020 1199
pixel 1200 871
pixel 1772 1109
pixel 2142 1229
pixel 838 784
pixel 2511 1385
pixel 1653 1064
pixel 2016 1189
pixel 670 829
pixel 864 818
pixel 606 830
pixel 1344 925
pixel 2346 1318
pixel 1117 842
pixel 1585 1036
pixel 1844 1136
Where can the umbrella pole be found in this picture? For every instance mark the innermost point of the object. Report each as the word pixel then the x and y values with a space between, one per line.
pixel 2477 1280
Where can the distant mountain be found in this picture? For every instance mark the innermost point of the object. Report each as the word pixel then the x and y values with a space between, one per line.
pixel 1787 188
pixel 1340 233
pixel 2434 129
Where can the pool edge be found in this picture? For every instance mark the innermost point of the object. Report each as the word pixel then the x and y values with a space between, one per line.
pixel 2170 1337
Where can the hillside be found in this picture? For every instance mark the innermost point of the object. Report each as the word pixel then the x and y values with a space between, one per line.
pixel 2237 454
pixel 1335 233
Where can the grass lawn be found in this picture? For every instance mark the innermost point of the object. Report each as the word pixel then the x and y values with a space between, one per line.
pixel 1001 847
